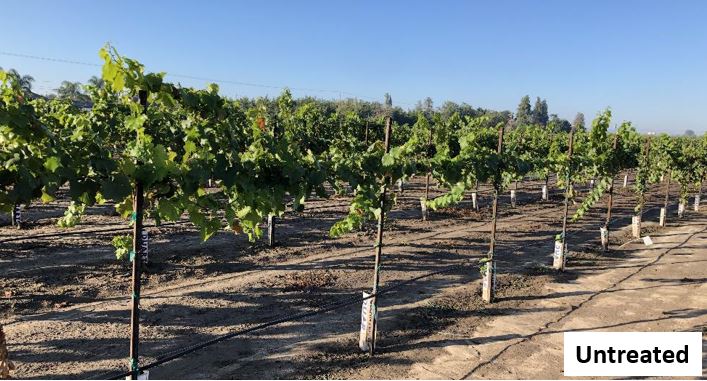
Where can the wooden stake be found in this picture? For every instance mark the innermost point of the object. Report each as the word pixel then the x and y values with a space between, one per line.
pixel 276 133
pixel 379 242
pixel 489 281
pixel 605 241
pixel 559 260
pixel 138 203
pixel 271 230
pixel 664 213
pixel 544 192
pixel 5 364
pixel 427 178
pixel 698 196
pixel 642 199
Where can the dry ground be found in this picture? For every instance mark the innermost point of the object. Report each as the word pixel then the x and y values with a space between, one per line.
pixel 66 310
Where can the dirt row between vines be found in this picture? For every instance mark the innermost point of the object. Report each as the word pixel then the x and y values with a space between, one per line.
pixel 43 274
pixel 67 314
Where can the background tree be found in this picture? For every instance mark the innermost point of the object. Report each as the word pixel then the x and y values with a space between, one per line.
pixel 425 106
pixel 579 121
pixel 557 124
pixel 449 108
pixel 496 117
pixel 523 115
pixel 96 82
pixel 689 133
pixel 387 101
pixel 539 114
pixel 25 81
pixel 72 91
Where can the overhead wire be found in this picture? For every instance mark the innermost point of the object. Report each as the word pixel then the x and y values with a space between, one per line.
pixel 198 78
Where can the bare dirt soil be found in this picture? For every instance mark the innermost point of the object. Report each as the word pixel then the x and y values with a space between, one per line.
pixel 64 300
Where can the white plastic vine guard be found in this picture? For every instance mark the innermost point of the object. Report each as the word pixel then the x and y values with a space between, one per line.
pixel 559 257
pixel 489 275
pixel 145 375
pixel 604 234
pixel 544 192
pixel 558 249
pixel 697 203
pixel 662 217
pixel 636 226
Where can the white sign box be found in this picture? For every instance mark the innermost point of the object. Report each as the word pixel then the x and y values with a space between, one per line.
pixel 626 354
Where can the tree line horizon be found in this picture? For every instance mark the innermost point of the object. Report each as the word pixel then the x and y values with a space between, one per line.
pixel 537 114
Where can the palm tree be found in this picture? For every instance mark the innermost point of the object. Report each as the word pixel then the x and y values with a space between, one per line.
pixel 25 81
pixel 71 90
pixel 96 82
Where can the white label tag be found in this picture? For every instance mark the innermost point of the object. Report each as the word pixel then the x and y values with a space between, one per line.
pixel 366 323
pixel 558 249
pixel 18 214
pixel 647 240
pixel 145 248
pixel 626 354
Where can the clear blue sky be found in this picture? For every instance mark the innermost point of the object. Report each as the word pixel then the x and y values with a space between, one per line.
pixel 645 59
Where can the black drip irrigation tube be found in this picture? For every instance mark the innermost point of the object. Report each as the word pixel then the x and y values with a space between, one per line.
pixel 330 307
pixel 353 299
pixel 123 229
pixel 344 302
pixel 78 232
